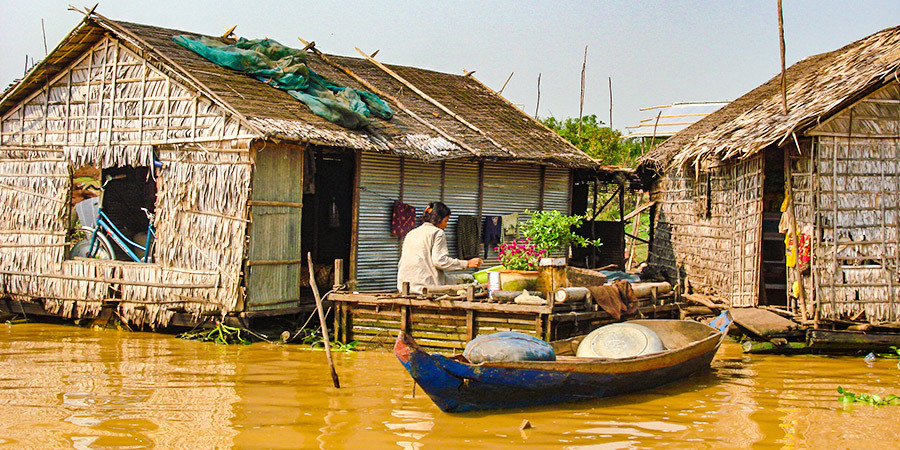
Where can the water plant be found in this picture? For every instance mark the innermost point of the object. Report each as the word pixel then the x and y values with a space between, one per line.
pixel 220 334
pixel 313 338
pixel 873 399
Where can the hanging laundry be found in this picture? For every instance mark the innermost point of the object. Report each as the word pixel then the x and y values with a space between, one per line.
pixel 493 228
pixel 403 218
pixel 510 226
pixel 467 236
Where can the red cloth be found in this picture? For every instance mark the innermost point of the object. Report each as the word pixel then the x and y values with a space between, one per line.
pixel 403 218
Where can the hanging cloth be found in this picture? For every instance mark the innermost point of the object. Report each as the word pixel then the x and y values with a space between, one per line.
pixel 467 236
pixel 403 218
pixel 510 226
pixel 492 230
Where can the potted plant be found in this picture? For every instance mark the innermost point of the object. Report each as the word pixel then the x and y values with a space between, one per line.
pixel 545 232
pixel 520 260
pixel 552 230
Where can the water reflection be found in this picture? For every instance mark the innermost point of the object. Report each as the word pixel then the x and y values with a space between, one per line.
pixel 66 387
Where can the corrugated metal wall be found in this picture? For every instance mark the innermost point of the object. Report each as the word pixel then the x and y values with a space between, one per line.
pixel 378 252
pixel 508 188
pixel 557 194
pixel 461 195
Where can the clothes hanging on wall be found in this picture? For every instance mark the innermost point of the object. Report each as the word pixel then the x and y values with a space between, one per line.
pixel 493 228
pixel 403 218
pixel 467 236
pixel 510 226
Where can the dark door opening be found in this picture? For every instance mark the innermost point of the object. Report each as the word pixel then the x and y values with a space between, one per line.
pixel 773 279
pixel 328 211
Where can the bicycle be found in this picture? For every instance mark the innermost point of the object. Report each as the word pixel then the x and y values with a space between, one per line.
pixel 103 232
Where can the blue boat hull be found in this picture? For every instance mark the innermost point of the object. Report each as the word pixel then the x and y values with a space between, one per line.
pixel 456 386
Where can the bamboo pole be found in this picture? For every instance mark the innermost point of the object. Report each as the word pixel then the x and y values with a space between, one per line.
pixel 634 231
pixel 538 103
pixel 431 100
pixel 505 83
pixel 315 289
pixel 781 45
pixel 581 101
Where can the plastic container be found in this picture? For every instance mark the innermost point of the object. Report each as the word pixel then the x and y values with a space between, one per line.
pixel 482 275
pixel 493 283
pixel 620 340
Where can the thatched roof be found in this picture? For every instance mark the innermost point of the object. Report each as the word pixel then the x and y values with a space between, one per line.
pixel 475 122
pixel 817 87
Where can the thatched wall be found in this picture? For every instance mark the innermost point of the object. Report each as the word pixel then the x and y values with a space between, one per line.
pixel 111 108
pixel 707 229
pixel 200 222
pixel 857 167
pixel 112 98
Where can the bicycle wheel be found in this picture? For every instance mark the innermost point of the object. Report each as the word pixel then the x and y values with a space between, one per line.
pixel 103 249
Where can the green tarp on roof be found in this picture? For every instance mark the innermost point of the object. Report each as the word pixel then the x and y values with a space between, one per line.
pixel 285 68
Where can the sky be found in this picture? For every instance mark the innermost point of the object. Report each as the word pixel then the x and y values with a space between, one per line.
pixel 653 52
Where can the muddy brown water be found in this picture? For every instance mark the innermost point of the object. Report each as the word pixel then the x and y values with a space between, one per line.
pixel 78 388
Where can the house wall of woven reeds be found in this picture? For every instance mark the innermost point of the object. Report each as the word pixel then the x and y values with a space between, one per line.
pixel 839 147
pixel 247 179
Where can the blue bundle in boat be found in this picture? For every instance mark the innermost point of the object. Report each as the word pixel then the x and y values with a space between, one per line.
pixel 508 346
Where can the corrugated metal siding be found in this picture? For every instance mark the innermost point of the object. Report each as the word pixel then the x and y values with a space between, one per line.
pixel 275 230
pixel 510 188
pixel 556 190
pixel 461 195
pixel 378 252
pixel 557 197
pixel 421 183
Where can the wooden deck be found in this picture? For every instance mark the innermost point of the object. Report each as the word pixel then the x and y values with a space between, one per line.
pixel 375 319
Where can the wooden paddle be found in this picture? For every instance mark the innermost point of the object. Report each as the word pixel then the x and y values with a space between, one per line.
pixel 315 289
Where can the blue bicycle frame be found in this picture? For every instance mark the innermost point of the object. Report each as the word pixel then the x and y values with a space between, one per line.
pixel 105 225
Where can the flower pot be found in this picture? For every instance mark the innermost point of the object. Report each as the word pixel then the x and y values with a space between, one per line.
pixel 517 280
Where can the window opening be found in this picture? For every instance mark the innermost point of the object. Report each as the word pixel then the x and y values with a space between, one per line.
pixel 112 213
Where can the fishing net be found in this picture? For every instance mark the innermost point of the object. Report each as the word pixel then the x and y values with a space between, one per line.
pixel 285 68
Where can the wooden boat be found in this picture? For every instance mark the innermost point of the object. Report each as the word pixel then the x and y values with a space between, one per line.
pixel 458 386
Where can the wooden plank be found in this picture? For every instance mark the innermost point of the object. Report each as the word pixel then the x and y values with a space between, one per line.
pixel 763 323
pixel 372 299
pixel 851 340
pixel 470 325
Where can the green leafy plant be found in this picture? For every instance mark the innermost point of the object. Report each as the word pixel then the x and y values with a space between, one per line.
pixel 520 255
pixel 874 400
pixel 314 339
pixel 220 334
pixel 596 139
pixel 552 230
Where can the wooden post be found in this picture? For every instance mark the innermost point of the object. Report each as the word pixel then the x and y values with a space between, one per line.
pixel 781 45
pixel 338 273
pixel 404 319
pixel 404 289
pixel 315 289
pixel 470 324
